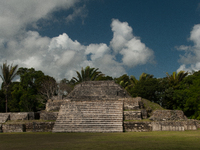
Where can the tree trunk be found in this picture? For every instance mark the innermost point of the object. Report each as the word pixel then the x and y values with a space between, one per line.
pixel 6 103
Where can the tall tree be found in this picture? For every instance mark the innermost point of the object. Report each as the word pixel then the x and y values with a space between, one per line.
pixel 176 78
pixel 129 82
pixel 8 74
pixel 88 74
pixel 28 92
pixel 48 87
pixel 171 83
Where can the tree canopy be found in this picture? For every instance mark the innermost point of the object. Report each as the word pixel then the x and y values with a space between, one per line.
pixel 174 91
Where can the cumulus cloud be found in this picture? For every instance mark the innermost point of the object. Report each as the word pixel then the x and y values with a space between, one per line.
pixel 134 52
pixel 97 50
pixel 191 59
pixel 122 33
pixel 17 14
pixel 61 56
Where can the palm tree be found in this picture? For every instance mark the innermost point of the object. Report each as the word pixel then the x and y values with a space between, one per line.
pixel 8 74
pixel 132 81
pixel 175 78
pixel 88 74
pixel 145 76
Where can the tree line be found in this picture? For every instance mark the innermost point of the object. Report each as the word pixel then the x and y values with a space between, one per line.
pixel 175 91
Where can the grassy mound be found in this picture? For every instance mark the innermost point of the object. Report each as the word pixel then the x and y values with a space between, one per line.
pixel 150 106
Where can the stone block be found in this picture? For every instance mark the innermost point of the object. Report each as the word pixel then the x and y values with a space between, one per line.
pixel 132 115
pixel 4 117
pixel 13 127
pixel 168 126
pixel 144 113
pixel 54 105
pixel 19 116
pixel 164 115
pixel 197 122
pixel 190 125
pixel 31 115
pixel 135 126
pixel 156 126
pixel 132 103
pixel 39 126
pixel 48 115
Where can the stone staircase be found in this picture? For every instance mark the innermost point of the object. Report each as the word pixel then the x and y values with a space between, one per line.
pixel 90 116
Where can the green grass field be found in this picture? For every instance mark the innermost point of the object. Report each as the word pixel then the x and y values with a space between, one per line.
pixel 167 140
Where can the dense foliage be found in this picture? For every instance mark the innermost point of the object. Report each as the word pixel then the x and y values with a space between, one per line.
pixel 176 91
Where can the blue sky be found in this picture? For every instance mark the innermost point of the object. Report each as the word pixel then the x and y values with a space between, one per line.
pixel 118 37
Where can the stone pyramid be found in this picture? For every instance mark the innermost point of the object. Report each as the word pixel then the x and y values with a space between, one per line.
pixel 92 106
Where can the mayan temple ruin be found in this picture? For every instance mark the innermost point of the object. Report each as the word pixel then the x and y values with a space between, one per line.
pixel 98 106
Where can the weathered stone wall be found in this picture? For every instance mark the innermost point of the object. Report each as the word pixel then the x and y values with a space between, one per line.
pixel 28 127
pixel 137 126
pixel 54 105
pixel 48 115
pixel 173 125
pixel 168 126
pixel 19 116
pixel 4 117
pixel 39 126
pixel 197 122
pixel 190 125
pixel 132 103
pixel 132 115
pixel 163 115
pixel 13 127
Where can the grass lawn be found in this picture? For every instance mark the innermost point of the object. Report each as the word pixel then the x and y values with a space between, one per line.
pixel 167 140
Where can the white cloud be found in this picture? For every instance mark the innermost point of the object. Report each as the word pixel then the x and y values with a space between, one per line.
pixel 63 42
pixel 195 35
pixel 61 56
pixel 15 15
pixel 97 50
pixel 191 58
pixel 183 48
pixel 109 66
pixel 134 52
pixel 122 33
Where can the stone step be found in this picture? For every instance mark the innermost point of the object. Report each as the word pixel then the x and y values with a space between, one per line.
pixel 87 116
pixel 94 119
pixel 106 114
pixel 89 130
pixel 88 123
